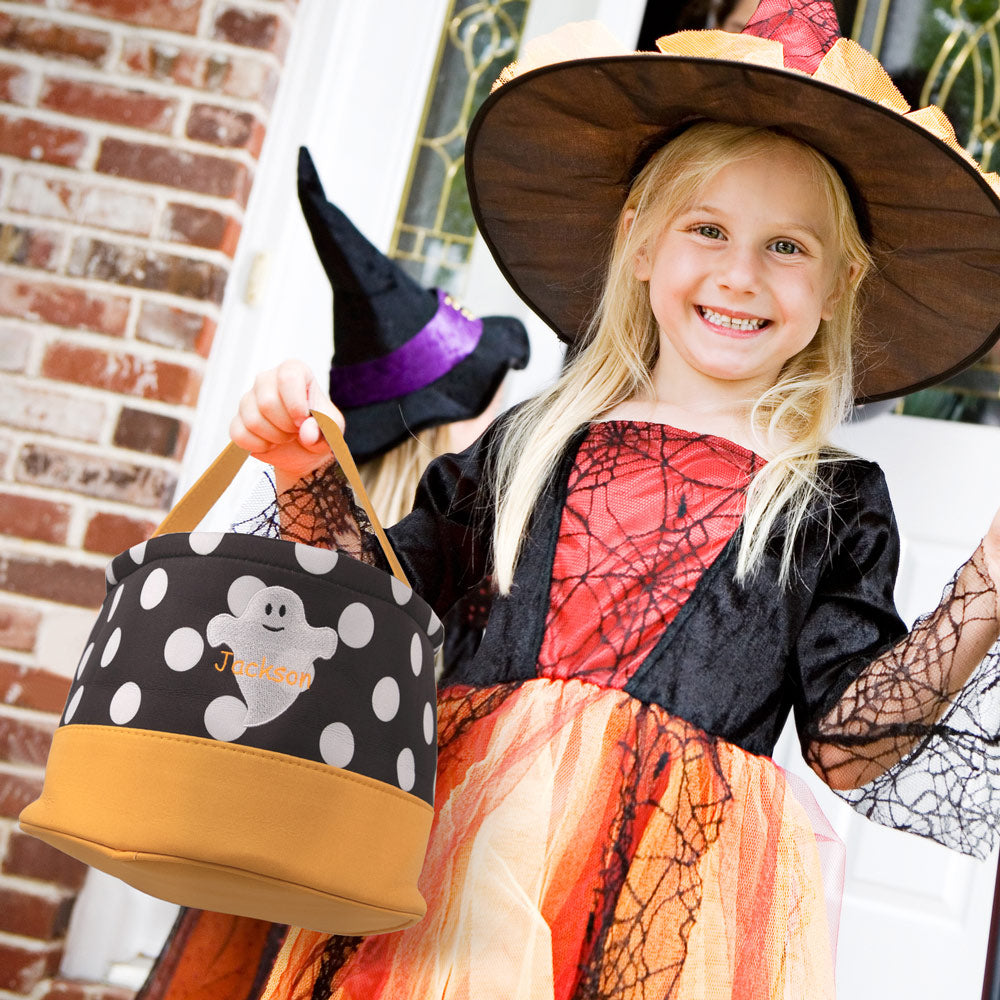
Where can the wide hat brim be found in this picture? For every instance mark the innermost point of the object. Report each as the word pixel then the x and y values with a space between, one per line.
pixel 552 153
pixel 460 394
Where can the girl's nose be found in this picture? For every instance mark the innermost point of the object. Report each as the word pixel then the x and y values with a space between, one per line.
pixel 739 270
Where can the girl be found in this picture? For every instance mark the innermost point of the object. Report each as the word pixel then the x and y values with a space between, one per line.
pixel 681 557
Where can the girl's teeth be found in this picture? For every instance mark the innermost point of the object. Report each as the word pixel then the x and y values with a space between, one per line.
pixel 731 321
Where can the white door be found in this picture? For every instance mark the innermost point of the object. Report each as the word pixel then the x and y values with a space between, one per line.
pixel 916 915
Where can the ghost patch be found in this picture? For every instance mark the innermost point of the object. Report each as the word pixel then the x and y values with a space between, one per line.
pixel 272 653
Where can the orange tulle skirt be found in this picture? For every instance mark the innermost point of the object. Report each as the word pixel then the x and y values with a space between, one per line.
pixel 588 845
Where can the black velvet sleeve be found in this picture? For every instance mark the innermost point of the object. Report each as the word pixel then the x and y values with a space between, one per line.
pixel 852 616
pixel 902 723
pixel 444 544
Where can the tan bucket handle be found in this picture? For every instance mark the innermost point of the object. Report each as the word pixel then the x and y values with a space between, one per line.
pixel 189 511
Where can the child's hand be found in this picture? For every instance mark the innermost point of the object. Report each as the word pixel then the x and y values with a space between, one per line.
pixel 273 421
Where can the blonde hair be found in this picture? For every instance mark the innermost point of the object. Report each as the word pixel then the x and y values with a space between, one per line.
pixel 391 479
pixel 792 419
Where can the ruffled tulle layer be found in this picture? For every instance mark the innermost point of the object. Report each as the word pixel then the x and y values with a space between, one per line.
pixel 588 845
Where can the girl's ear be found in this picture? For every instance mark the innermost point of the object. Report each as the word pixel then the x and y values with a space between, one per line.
pixel 640 259
pixel 840 286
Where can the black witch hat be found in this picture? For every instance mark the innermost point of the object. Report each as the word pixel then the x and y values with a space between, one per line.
pixel 404 357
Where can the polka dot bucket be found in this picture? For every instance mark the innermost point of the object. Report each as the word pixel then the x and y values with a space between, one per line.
pixel 251 726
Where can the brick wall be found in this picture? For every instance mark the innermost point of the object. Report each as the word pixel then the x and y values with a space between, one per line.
pixel 129 131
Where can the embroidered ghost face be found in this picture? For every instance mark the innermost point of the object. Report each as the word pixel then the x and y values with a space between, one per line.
pixel 273 654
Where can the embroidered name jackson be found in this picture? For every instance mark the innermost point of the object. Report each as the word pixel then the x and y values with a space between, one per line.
pixel 264 671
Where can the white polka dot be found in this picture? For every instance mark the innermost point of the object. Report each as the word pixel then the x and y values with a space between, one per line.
pixel 114 601
pixel 83 659
pixel 406 769
pixel 416 655
pixel 428 723
pixel 203 542
pixel 240 592
pixel 385 699
pixel 356 625
pixel 111 647
pixel 109 575
pixel 314 560
pixel 224 718
pixel 153 589
pixel 73 705
pixel 336 744
pixel 400 592
pixel 183 649
pixel 125 703
pixel 138 553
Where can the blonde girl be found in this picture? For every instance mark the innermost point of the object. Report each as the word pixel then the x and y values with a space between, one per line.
pixel 681 558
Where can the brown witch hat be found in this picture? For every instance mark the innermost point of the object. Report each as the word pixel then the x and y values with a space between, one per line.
pixel 552 152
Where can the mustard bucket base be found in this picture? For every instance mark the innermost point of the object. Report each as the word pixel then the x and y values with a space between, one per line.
pixel 177 817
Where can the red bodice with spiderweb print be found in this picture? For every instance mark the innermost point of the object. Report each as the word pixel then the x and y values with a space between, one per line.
pixel 648 509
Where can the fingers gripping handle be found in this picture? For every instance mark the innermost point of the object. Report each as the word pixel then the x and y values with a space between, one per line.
pixel 189 511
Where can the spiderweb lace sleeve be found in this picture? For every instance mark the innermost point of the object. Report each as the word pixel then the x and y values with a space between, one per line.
pixel 317 510
pixel 910 735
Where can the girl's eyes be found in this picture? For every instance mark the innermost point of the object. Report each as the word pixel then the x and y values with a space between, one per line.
pixel 784 247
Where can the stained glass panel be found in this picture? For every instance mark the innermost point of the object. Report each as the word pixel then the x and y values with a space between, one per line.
pixel 435 229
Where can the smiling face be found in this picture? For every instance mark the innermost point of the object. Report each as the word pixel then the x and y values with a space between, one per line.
pixel 740 279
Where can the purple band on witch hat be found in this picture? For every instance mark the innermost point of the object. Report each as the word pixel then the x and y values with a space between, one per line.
pixel 449 337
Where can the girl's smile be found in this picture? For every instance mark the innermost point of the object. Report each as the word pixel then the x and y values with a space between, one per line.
pixel 740 280
pixel 732 324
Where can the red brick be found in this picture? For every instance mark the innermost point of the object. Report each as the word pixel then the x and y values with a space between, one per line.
pixel 110 534
pixel 95 476
pixel 28 139
pixel 152 433
pixel 66 990
pixel 177 328
pixel 35 405
pixel 16 791
pixel 22 969
pixel 18 625
pixel 24 742
pixel 139 267
pixel 15 84
pixel 52 580
pixel 247 76
pixel 32 687
pixel 225 127
pixel 30 858
pixel 66 42
pixel 68 201
pixel 163 61
pixel 105 103
pixel 29 247
pixel 39 917
pixel 172 15
pixel 252 29
pixel 32 517
pixel 63 305
pixel 201 227
pixel 212 175
pixel 121 373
